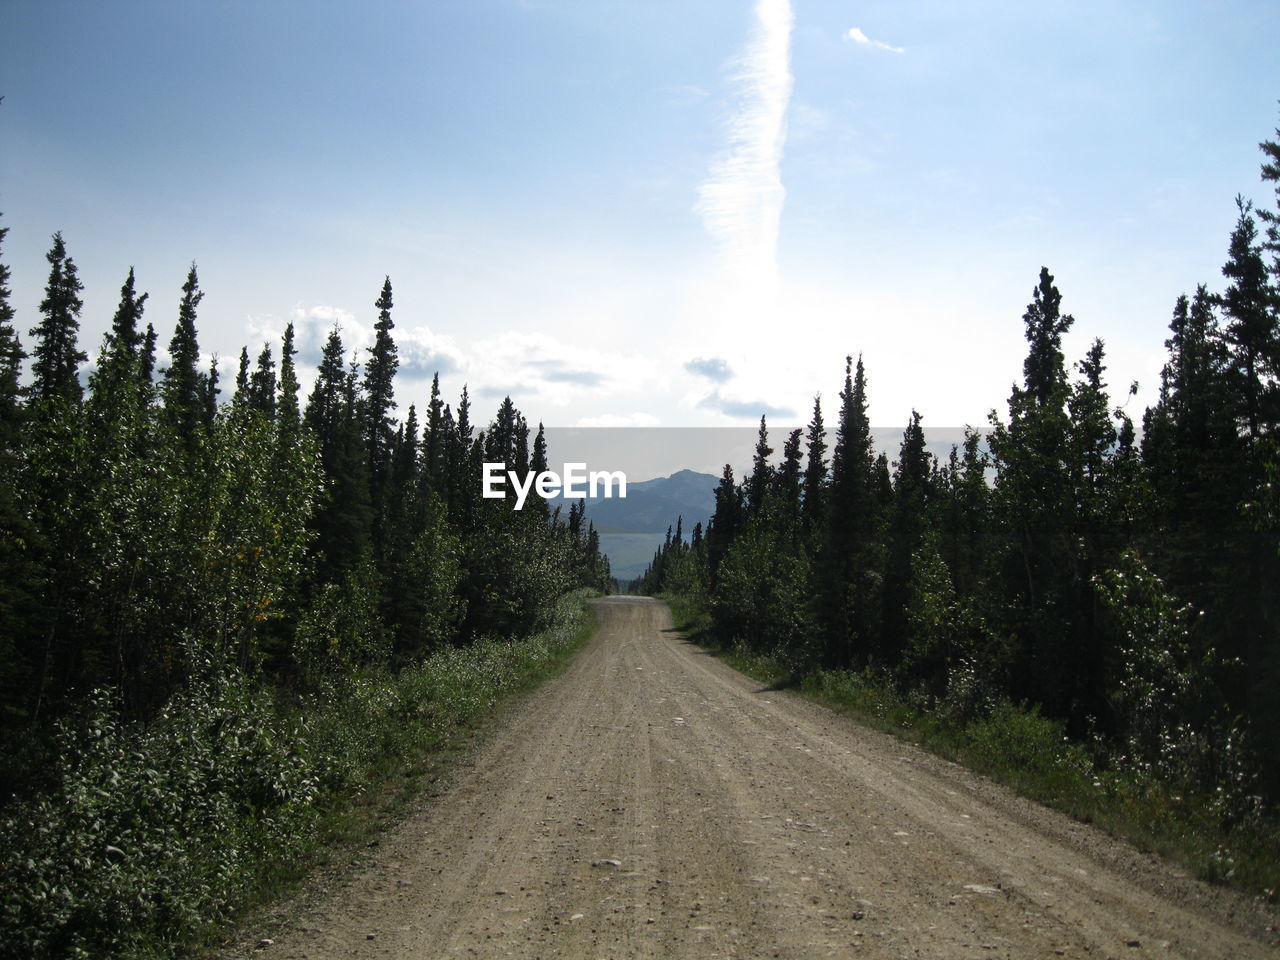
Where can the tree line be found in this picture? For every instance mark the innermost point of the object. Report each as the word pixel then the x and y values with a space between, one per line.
pixel 156 529
pixel 1125 584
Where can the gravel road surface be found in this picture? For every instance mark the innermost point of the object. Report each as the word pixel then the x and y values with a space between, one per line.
pixel 652 802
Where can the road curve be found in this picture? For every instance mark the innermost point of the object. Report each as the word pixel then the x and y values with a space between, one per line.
pixel 652 802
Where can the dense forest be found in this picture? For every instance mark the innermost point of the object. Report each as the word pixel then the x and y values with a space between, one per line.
pixel 1120 581
pixel 194 579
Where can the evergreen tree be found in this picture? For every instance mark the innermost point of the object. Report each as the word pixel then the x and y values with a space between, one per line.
pixel 761 478
pixel 209 394
pixel 124 341
pixel 850 570
pixel 21 587
pixel 910 520
pixel 147 360
pixel 815 472
pixel 725 522
pixel 1253 329
pixel 1033 492
pixel 287 407
pixel 434 442
pixel 180 388
pixel 56 357
pixel 11 357
pixel 241 396
pixel 262 384
pixel 538 465
pixel 789 481
pixel 379 392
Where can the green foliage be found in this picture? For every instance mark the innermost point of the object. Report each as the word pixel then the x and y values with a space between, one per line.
pixel 57 356
pixel 153 831
pixel 182 386
pixel 341 632
pixel 762 599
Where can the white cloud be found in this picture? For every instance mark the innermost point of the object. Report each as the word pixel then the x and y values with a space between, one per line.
pixel 741 202
pixel 545 370
pixel 749 409
pixel 860 38
pixel 424 354
pixel 715 369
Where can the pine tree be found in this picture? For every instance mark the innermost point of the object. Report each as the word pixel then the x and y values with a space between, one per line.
pixel 11 357
pixel 433 442
pixel 325 403
pixel 1033 492
pixel 1253 328
pixel 287 407
pixel 262 384
pixel 851 562
pixel 726 521
pixel 241 396
pixel 909 523
pixel 209 391
pixel 147 360
pixel 56 357
pixel 379 392
pixel 21 587
pixel 1271 174
pixel 788 480
pixel 343 518
pixel 180 387
pixel 815 473
pixel 761 478
pixel 124 341
pixel 538 465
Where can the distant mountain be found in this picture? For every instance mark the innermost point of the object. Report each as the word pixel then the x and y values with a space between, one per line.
pixel 651 506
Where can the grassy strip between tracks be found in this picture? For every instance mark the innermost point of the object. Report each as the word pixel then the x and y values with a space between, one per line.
pixel 158 835
pixel 1031 754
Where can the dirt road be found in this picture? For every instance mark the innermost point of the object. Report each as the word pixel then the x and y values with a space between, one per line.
pixel 653 803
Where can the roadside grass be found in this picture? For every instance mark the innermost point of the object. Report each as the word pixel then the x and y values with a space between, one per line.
pixel 1031 754
pixel 158 836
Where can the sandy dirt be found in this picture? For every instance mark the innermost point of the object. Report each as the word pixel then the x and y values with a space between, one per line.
pixel 652 802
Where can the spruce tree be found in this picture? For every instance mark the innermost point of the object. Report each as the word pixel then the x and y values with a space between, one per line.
pixel 124 341
pixel 815 473
pixel 433 441
pixel 910 520
pixel 21 587
pixel 538 465
pixel 379 390
pixel 1033 490
pixel 262 384
pixel 241 396
pixel 287 407
pixel 147 360
pixel 758 483
pixel 180 387
pixel 11 357
pixel 56 356
pixel 209 390
pixel 1253 328
pixel 850 569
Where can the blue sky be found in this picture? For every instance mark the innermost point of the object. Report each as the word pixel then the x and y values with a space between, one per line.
pixel 646 212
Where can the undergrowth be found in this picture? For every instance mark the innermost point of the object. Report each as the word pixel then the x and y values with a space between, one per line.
pixel 1200 825
pixel 154 834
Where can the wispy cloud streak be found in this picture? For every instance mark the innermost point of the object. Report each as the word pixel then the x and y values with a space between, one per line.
pixel 860 38
pixel 741 201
